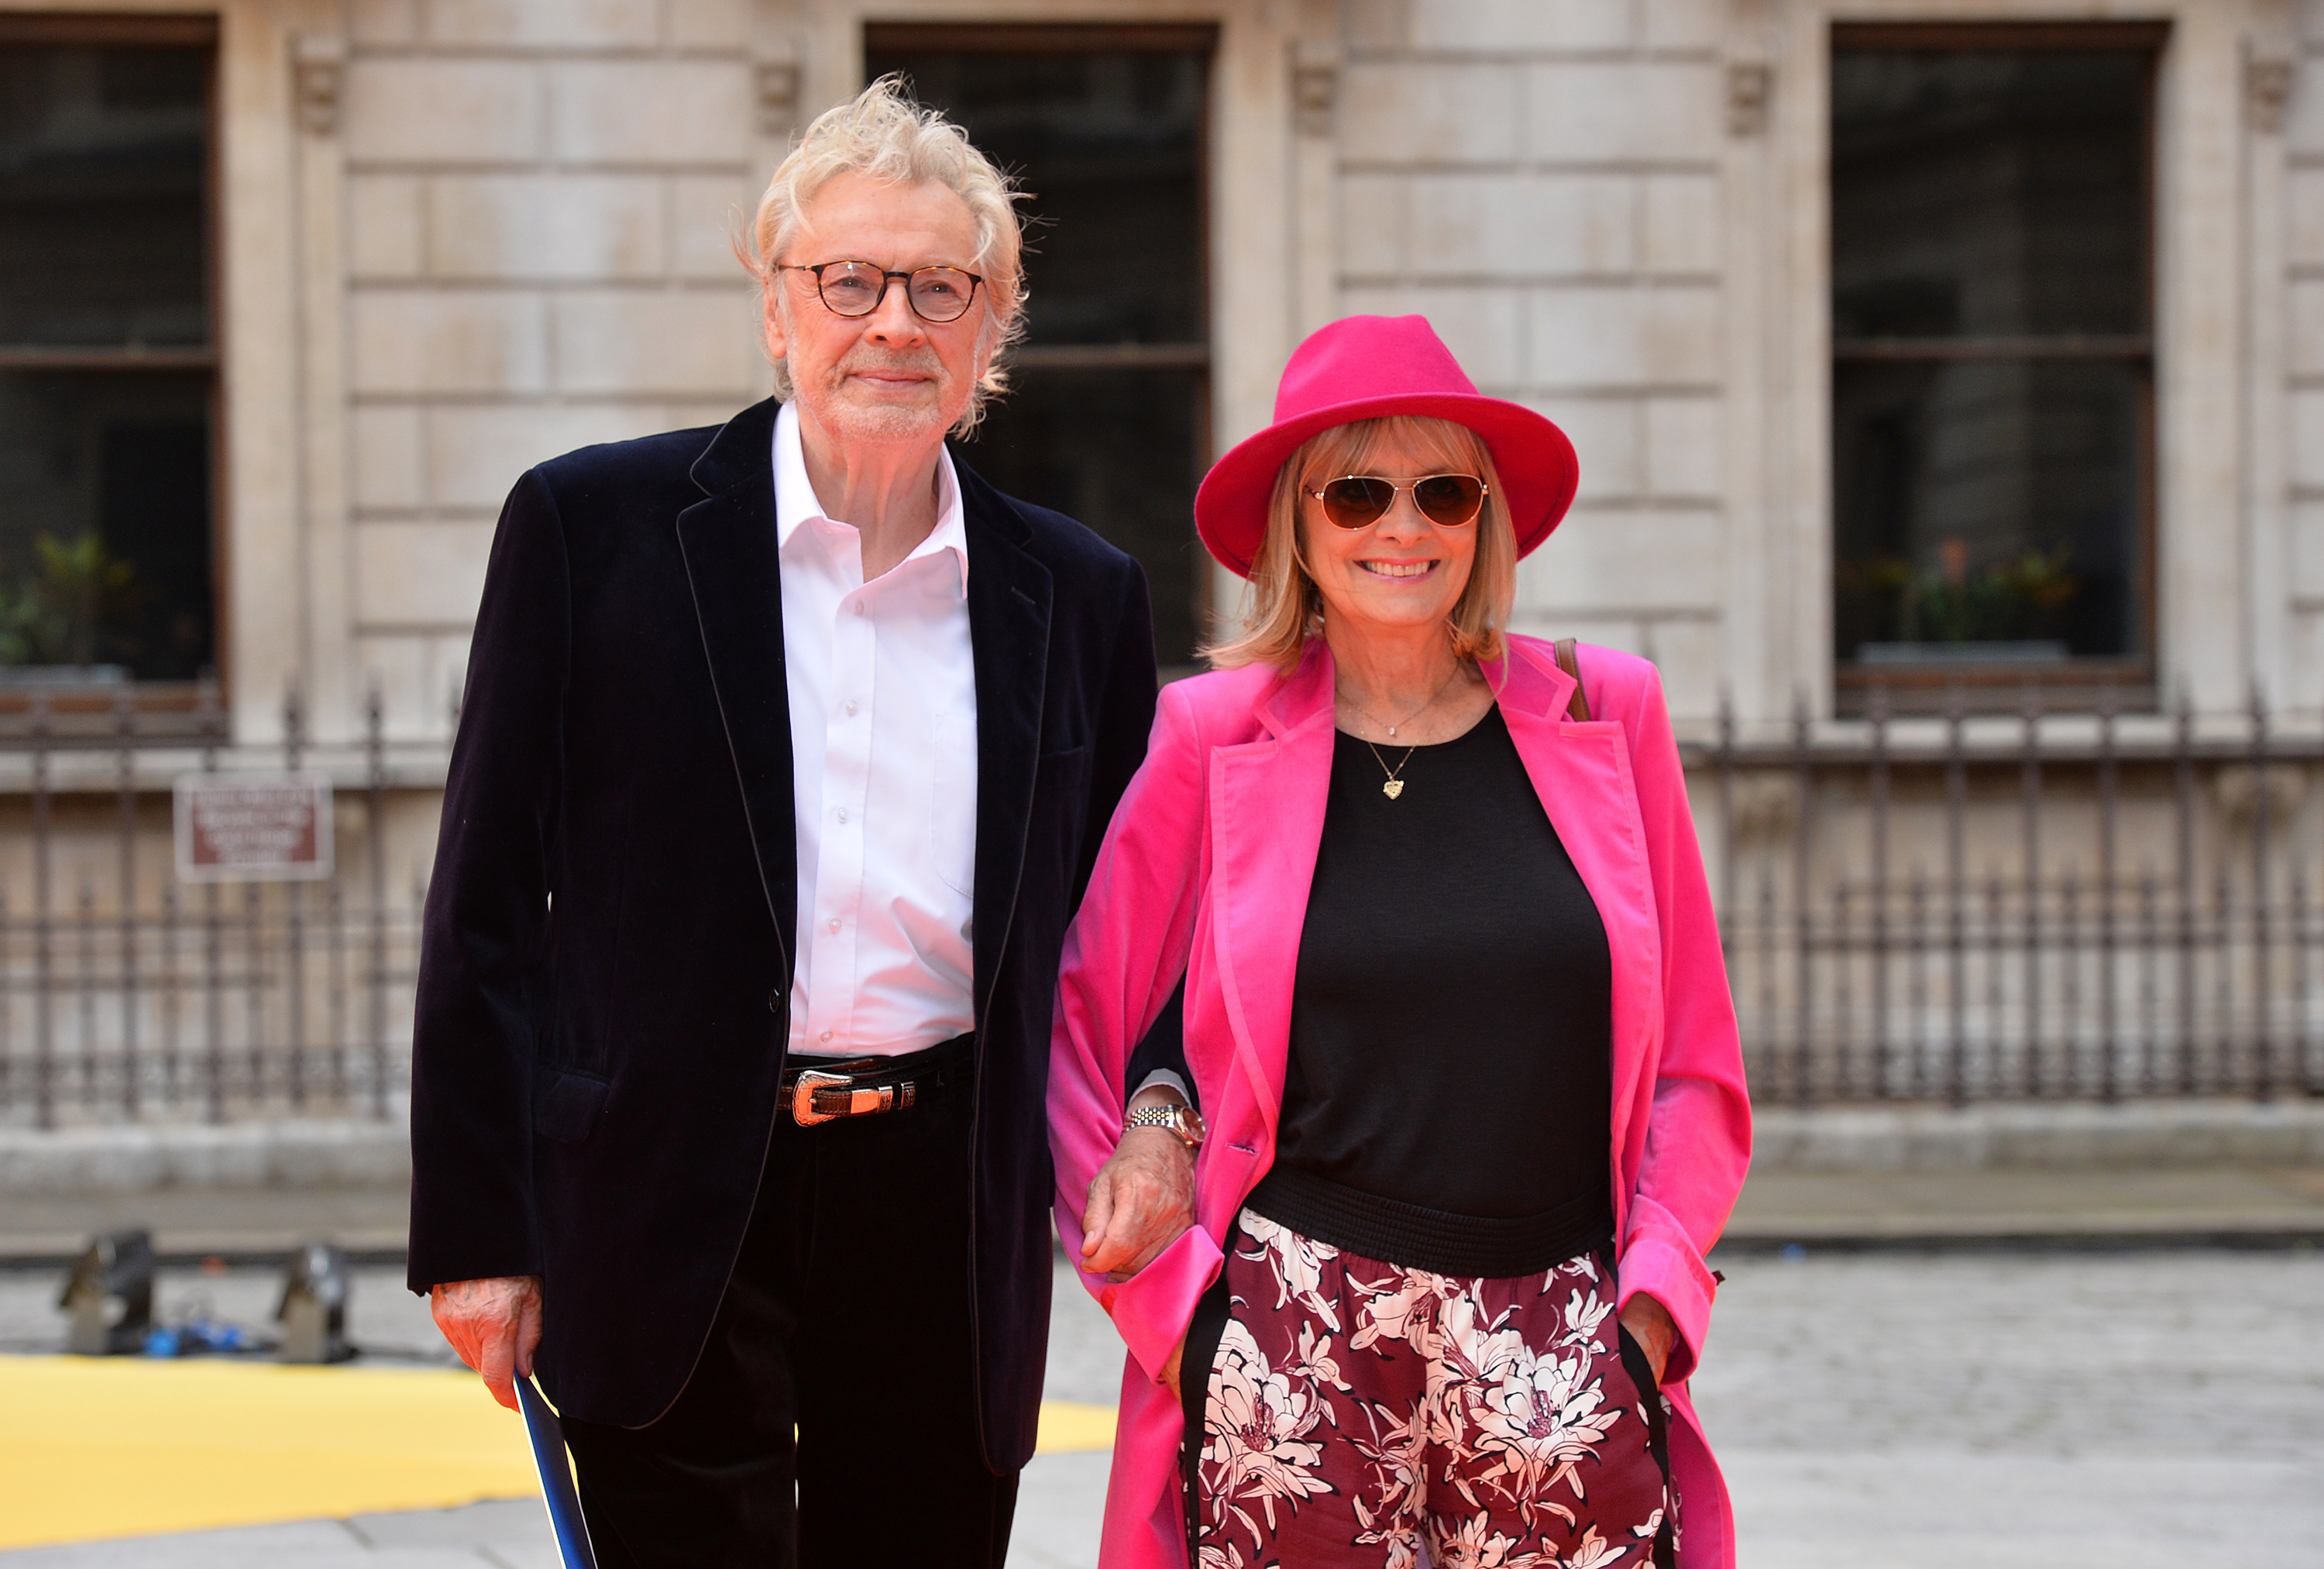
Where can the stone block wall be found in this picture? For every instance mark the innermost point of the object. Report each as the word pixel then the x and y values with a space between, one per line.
pixel 539 196
pixel 1543 181
pixel 2304 257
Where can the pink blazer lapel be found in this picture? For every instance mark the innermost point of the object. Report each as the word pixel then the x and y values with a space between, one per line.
pixel 1268 797
pixel 1582 774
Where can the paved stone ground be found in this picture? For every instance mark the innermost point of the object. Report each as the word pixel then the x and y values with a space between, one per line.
pixel 1882 1410
pixel 2123 1410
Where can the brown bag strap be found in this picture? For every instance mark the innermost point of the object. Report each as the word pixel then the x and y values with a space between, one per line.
pixel 1578 710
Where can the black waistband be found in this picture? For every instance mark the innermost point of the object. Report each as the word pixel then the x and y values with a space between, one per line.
pixel 931 1069
pixel 1469 1246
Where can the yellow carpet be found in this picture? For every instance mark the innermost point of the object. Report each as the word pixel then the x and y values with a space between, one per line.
pixel 99 1447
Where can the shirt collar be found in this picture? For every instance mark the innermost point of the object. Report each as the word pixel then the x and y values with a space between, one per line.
pixel 796 502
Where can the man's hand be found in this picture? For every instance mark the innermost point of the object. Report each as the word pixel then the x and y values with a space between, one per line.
pixel 1140 1200
pixel 1649 1323
pixel 493 1326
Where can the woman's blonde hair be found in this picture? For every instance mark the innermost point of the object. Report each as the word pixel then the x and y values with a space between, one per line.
pixel 1287 608
pixel 881 133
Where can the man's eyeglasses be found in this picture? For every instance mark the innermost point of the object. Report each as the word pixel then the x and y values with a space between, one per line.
pixel 853 289
pixel 1358 500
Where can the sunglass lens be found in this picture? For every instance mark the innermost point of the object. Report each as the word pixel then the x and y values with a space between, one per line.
pixel 1356 503
pixel 1449 500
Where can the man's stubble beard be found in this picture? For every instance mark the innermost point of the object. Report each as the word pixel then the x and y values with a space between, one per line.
pixel 883 423
pixel 880 421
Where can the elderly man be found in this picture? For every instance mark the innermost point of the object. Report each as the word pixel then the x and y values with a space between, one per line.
pixel 787 751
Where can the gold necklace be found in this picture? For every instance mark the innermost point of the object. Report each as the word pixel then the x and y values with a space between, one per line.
pixel 1408 718
pixel 1395 786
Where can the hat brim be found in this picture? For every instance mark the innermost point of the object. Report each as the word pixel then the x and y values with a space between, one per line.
pixel 1537 468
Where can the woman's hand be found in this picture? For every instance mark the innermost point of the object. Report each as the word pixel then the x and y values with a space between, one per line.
pixel 1649 1323
pixel 1140 1200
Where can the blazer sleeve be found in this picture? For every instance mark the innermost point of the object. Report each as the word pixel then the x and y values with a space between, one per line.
pixel 1125 718
pixel 485 933
pixel 1164 1050
pixel 1699 1128
pixel 1123 958
pixel 1124 725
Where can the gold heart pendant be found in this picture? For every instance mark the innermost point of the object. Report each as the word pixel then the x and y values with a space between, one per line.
pixel 1392 789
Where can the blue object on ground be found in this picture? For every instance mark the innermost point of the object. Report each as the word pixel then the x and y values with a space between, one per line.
pixel 194 1336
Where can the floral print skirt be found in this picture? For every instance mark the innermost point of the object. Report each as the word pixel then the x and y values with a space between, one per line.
pixel 1359 1412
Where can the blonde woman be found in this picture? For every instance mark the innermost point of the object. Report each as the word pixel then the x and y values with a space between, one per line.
pixel 1469 1101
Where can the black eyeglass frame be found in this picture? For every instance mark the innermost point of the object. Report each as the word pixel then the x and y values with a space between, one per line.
pixel 1394 486
pixel 975 282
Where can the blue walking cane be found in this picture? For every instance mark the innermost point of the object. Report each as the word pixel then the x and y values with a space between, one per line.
pixel 549 1458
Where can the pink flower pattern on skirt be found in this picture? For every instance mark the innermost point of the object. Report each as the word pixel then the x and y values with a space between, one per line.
pixel 1364 1413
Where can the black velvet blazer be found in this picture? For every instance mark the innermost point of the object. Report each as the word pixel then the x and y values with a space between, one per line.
pixel 605 966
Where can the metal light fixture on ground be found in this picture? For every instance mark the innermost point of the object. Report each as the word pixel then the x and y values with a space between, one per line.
pixel 313 1307
pixel 114 1268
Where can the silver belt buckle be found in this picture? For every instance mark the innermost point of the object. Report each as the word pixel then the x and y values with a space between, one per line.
pixel 803 1091
pixel 859 1102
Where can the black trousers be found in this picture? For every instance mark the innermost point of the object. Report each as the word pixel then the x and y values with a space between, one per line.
pixel 849 1316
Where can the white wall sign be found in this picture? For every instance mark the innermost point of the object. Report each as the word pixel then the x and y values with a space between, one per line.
pixel 253 827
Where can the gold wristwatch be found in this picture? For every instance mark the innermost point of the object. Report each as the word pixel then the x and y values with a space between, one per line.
pixel 1178 1117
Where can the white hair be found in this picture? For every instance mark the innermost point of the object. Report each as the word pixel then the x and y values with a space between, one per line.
pixel 886 136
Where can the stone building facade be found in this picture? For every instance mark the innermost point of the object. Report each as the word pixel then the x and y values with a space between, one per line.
pixel 454 237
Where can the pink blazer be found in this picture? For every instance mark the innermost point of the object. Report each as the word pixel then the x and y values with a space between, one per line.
pixel 1204 872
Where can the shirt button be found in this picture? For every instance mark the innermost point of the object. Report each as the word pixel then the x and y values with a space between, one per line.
pixel 859 607
pixel 825 1036
pixel 843 816
pixel 851 710
pixel 834 923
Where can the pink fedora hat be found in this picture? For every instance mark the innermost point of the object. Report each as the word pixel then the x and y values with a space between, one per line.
pixel 1361 368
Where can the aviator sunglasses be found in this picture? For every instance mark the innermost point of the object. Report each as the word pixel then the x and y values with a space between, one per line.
pixel 1358 500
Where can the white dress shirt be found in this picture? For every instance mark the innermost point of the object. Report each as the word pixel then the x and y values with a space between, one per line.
pixel 883 774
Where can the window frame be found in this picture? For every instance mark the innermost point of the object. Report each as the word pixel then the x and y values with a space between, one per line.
pixel 2131 681
pixel 201 31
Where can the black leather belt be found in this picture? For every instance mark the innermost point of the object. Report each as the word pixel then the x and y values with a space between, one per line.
pixel 823 1089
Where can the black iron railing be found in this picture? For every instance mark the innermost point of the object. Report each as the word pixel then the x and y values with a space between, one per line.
pixel 2083 905
pixel 2088 905
pixel 127 994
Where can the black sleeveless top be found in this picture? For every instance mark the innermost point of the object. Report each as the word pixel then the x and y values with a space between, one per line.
pixel 1450 1083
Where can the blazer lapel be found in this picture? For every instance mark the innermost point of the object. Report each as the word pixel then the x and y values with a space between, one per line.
pixel 1582 773
pixel 729 547
pixel 1009 603
pixel 1268 801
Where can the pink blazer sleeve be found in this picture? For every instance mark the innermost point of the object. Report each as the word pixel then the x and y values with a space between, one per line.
pixel 1123 956
pixel 1698 1143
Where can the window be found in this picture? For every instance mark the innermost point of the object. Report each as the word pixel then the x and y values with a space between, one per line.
pixel 1108 419
pixel 108 359
pixel 1993 356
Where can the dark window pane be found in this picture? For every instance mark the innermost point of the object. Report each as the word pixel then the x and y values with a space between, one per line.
pixel 102 156
pixel 1115 448
pixel 104 541
pixel 1988 193
pixel 1109 146
pixel 1988 501
pixel 1109 141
